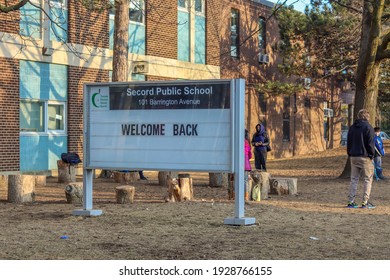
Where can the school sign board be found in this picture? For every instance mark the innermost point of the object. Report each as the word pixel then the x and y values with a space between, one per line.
pixel 166 126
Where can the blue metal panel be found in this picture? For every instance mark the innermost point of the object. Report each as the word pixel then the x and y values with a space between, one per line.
pixel 40 153
pixel 30 21
pixel 43 81
pixel 200 39
pixel 183 36
pixel 136 37
pixel 59 31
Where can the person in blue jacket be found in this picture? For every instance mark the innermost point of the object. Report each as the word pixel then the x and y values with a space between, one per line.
pixel 379 153
pixel 260 142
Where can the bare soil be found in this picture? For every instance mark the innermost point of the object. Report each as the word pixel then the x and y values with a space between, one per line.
pixel 315 224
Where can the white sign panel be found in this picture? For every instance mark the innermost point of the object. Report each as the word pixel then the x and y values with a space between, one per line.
pixel 181 125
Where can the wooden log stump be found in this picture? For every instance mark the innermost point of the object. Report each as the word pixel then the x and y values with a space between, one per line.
pixel 263 179
pixel 124 194
pixel 284 186
pixel 186 190
pixel 66 172
pixel 217 180
pixel 125 177
pixel 165 176
pixel 3 180
pixel 180 189
pixel 40 180
pixel 74 193
pixel 21 188
pixel 231 191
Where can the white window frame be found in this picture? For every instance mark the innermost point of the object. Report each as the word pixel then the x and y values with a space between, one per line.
pixel 203 12
pixel 46 130
pixel 186 8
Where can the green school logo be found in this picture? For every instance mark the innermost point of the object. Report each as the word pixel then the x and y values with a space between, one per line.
pixel 99 100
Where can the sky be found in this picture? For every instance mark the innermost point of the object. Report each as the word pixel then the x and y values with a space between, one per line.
pixel 298 4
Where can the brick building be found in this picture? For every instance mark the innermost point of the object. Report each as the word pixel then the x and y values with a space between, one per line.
pixel 46 58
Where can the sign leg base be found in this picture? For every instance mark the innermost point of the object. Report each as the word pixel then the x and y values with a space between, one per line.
pixel 82 212
pixel 239 221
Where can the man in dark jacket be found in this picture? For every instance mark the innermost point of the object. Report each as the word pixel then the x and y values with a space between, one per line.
pixel 260 141
pixel 361 150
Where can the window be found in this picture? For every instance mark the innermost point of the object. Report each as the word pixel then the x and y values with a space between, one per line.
pixel 262 35
pixel 199 6
pixel 262 106
pixel 55 113
pixel 59 20
pixel 286 118
pixel 234 33
pixel 183 4
pixel 42 116
pixel 136 11
pixel 31 116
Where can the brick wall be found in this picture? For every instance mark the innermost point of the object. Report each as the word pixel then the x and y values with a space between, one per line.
pixel 213 40
pixel 161 28
pixel 9 117
pixel 77 76
pixel 88 27
pixel 9 22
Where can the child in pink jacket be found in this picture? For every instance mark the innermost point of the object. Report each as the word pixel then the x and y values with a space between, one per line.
pixel 248 168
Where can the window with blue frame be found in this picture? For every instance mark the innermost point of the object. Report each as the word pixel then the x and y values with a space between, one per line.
pixel 185 8
pixel 58 13
pixel 136 26
pixel 200 32
pixel 32 17
pixel 183 31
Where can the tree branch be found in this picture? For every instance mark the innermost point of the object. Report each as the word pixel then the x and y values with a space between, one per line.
pixel 7 9
pixel 360 11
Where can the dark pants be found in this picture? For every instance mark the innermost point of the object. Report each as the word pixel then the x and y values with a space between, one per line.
pixel 260 160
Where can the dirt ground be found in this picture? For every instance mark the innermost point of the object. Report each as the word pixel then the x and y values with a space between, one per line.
pixel 315 224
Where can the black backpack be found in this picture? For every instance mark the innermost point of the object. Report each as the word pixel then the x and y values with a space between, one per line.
pixel 71 158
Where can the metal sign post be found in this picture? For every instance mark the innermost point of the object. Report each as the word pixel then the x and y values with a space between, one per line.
pixel 238 160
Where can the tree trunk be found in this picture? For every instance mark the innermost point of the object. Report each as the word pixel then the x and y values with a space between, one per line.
pixel 121 41
pixel 367 76
pixel 120 49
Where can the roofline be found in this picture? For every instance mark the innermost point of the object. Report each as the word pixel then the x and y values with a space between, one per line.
pixel 265 3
